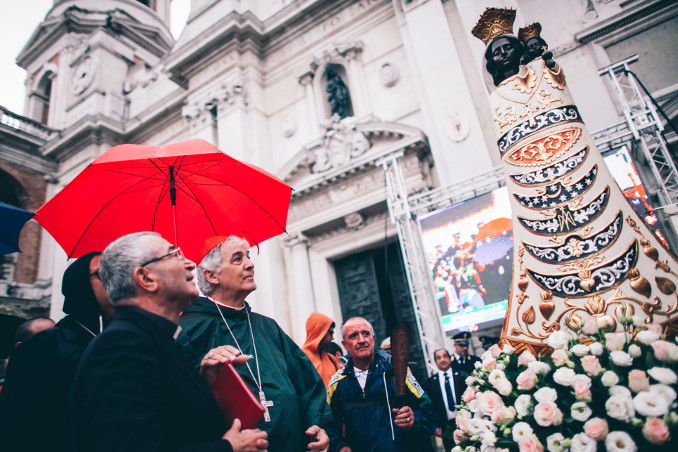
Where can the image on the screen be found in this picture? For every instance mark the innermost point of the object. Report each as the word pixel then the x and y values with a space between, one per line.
pixel 469 250
pixel 624 172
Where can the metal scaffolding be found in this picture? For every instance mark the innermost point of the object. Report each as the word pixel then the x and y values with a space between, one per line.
pixel 643 124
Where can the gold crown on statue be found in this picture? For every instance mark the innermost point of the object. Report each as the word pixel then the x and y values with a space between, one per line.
pixel 494 22
pixel 529 31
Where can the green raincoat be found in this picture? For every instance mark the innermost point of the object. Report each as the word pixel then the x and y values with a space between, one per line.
pixel 289 379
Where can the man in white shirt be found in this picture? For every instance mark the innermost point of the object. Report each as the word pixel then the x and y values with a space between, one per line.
pixel 441 389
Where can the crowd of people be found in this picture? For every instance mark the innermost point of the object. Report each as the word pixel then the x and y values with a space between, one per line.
pixel 130 366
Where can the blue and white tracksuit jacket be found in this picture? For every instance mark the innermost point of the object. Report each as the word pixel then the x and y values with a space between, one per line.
pixel 366 414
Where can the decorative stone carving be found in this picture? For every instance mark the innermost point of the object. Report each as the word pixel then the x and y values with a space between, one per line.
pixel 341 142
pixel 388 74
pixel 140 75
pixel 288 125
pixel 223 97
pixel 354 221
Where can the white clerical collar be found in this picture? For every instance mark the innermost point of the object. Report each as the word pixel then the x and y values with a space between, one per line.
pixel 225 305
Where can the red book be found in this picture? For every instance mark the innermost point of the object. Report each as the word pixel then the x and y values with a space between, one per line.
pixel 236 399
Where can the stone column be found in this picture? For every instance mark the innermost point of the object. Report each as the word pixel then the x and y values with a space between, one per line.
pixel 444 90
pixel 300 282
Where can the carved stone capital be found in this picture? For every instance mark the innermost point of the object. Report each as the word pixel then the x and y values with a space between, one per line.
pixel 297 239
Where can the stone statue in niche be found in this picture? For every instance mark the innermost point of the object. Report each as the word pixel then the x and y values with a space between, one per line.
pixel 338 95
pixel 340 144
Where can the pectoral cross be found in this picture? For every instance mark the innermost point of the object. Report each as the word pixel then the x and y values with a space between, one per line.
pixel 266 404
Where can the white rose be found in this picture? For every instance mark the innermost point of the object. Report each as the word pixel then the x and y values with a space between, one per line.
pixel 521 430
pixel 665 392
pixel 523 404
pixel 477 364
pixel 620 442
pixel 621 391
pixel 635 351
pixel 580 411
pixel 620 358
pixel 620 407
pixel 500 366
pixel 546 395
pixel 581 442
pixel 503 386
pixel 539 367
pixel 485 356
pixel 609 378
pixel 552 442
pixel 475 426
pixel 647 337
pixel 558 339
pixel 648 404
pixel 473 406
pixel 488 439
pixel 496 375
pixel 580 350
pixel 564 376
pixel 470 381
pixel 508 349
pixel 663 375
pixel 596 348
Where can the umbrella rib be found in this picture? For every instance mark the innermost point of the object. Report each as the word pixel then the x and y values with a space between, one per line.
pixel 195 198
pixel 125 191
pixel 250 198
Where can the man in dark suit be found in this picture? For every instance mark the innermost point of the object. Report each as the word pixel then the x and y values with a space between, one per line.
pixel 462 361
pixel 442 388
pixel 134 389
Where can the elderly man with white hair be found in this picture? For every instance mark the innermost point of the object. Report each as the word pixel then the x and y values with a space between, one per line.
pixel 222 326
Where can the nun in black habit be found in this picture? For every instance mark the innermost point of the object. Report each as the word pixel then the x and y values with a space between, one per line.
pixel 34 400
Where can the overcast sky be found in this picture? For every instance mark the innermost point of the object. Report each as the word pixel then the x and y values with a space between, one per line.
pixel 18 21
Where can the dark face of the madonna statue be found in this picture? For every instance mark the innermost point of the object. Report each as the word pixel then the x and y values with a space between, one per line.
pixel 505 55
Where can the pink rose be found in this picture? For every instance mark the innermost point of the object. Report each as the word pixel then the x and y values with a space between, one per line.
pixel 530 444
pixel 489 363
pixel 559 357
pixel 468 395
pixel 661 349
pixel 459 436
pixel 638 380
pixel 655 431
pixel 591 365
pixel 495 350
pixel 614 341
pixel 590 326
pixel 462 423
pixel 581 385
pixel 547 413
pixel 506 414
pixel 526 380
pixel 596 428
pixel 525 358
pixel 490 403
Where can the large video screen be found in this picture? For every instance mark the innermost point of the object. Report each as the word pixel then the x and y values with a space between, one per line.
pixel 624 172
pixel 469 251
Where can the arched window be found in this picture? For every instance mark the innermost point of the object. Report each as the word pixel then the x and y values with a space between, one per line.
pixel 43 94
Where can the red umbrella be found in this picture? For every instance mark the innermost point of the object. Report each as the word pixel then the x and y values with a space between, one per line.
pixel 186 191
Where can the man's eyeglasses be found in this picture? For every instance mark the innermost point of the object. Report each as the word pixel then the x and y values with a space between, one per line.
pixel 176 251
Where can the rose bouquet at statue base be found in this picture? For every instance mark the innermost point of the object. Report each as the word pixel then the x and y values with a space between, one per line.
pixel 596 391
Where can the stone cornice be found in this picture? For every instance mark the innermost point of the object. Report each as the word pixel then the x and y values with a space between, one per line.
pixel 628 16
pixel 91 129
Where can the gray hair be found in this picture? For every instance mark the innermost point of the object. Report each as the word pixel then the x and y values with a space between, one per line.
pixel 212 262
pixel 117 264
pixel 353 319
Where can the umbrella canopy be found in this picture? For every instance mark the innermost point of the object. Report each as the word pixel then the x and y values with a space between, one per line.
pixel 13 219
pixel 186 191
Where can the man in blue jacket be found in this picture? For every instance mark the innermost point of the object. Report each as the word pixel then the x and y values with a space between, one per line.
pixel 362 396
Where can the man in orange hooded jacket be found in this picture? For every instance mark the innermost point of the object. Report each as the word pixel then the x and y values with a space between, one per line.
pixel 319 332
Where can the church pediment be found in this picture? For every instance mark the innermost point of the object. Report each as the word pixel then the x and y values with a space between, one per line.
pixel 347 147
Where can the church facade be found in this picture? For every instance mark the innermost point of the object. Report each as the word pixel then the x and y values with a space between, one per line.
pixel 364 107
